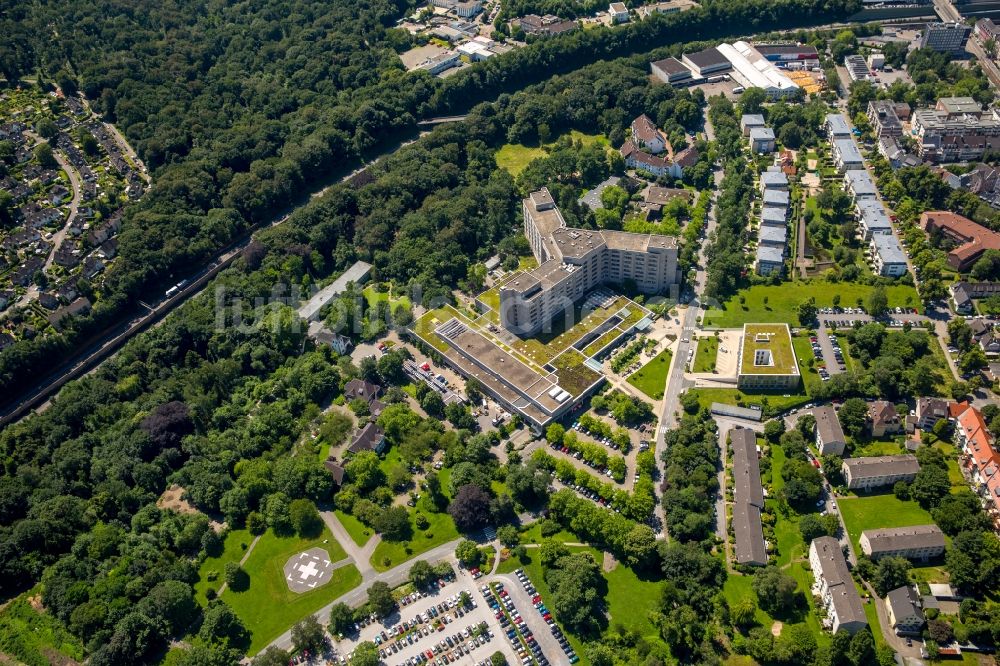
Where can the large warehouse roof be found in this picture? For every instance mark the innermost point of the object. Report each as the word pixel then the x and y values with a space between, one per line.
pixel 754 70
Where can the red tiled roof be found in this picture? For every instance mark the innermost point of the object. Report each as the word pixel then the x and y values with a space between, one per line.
pixel 644 130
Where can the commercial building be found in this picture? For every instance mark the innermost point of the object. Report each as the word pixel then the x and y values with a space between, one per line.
pixel 970 238
pixel 956 130
pixel 789 55
pixel 945 37
pixel 752 70
pixel 986 30
pixel 761 140
pixel 748 499
pixel 859 184
pixel 883 115
pixel 669 7
pixel 887 256
pixel 846 155
pixel 468 9
pixel 917 542
pixel 545 26
pixel 837 127
pixel 672 71
pixel 902 607
pixel 833 584
pixel 857 68
pixel 830 438
pixel 879 471
pixel 707 62
pixel 572 262
pixel 440 62
pixel 766 358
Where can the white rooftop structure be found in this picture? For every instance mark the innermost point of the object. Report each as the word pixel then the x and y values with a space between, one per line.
pixel 752 70
pixel 357 273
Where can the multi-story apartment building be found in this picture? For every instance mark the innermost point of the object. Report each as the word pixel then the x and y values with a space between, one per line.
pixel 830 438
pixel 878 471
pixel 956 130
pixel 917 542
pixel 884 117
pixel 574 261
pixel 835 587
pixel 970 239
pixel 846 155
pixel 748 499
pixel 887 256
pixel 860 185
pixel 872 218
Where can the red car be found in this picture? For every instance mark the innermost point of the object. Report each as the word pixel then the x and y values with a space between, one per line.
pixel 535 599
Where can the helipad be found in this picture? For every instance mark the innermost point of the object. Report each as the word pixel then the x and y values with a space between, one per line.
pixel 308 570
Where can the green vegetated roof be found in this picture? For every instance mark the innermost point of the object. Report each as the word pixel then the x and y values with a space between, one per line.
pixel 773 338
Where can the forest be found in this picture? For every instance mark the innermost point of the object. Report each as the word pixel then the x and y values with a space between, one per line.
pixel 239 110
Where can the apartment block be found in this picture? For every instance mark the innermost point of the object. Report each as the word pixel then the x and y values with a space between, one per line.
pixel 830 438
pixel 917 542
pixel 956 130
pixel 748 499
pixel 834 586
pixel 879 471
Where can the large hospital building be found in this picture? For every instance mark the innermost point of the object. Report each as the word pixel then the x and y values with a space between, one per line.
pixel 572 262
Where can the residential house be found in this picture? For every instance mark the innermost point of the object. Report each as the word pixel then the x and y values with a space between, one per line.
pixel 830 438
pixel 872 219
pixel 879 471
pixel 773 179
pixel 835 588
pixel 860 185
pixel 903 609
pixel 979 456
pixel 964 293
pixel 769 260
pixel 79 307
pixel 776 198
pixel 837 127
pixel 846 155
pixel 772 216
pixel 618 12
pixel 370 438
pixel 336 470
pixel 883 419
pixel 884 118
pixel 915 542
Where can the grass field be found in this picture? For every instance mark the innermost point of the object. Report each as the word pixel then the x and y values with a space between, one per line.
pixel 234 547
pixel 374 297
pixel 705 357
pixel 533 534
pixel 390 553
pixel 879 511
pixel 268 607
pixel 33 638
pixel 773 399
pixel 514 157
pixel 359 533
pixel 783 301
pixel 631 600
pixel 651 378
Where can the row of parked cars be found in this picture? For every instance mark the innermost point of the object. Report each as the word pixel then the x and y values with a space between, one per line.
pixel 536 600
pixel 521 639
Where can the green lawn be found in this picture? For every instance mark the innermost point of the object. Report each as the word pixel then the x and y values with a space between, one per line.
pixel 651 378
pixel 390 553
pixel 514 157
pixel 631 600
pixel 879 511
pixel 374 297
pixel 533 534
pixel 877 448
pixel 360 534
pixel 783 301
pixel 234 547
pixel 958 482
pixel 33 638
pixel 268 607
pixel 705 357
pixel 738 587
pixel 773 399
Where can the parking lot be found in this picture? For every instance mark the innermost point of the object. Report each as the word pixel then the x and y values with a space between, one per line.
pixel 521 600
pixel 437 623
